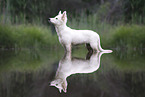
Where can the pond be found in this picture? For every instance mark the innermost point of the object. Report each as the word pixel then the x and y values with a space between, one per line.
pixel 50 73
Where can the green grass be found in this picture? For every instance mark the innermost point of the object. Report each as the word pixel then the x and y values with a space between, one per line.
pixel 34 36
pixel 128 36
pixel 27 36
pixel 119 35
pixel 115 36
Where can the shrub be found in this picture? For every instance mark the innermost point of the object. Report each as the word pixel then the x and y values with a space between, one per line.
pixel 129 36
pixel 26 36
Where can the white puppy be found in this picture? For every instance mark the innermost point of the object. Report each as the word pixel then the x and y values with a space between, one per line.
pixel 69 37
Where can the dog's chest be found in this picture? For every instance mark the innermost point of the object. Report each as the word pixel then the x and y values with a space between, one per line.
pixel 63 40
pixel 64 37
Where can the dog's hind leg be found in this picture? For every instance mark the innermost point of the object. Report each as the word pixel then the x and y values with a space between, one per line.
pixel 94 46
pixel 89 47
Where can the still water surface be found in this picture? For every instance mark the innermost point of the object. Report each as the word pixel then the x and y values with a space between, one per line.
pixel 32 73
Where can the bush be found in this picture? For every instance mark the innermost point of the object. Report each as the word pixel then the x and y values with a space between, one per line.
pixel 26 36
pixel 129 36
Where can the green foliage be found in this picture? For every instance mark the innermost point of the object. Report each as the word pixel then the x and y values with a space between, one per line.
pixel 26 36
pixel 129 36
pixel 36 11
pixel 32 36
pixel 134 11
pixel 94 17
pixel 6 38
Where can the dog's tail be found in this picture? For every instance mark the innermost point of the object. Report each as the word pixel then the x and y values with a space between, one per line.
pixel 102 50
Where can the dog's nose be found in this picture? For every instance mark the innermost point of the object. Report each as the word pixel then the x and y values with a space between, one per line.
pixel 49 19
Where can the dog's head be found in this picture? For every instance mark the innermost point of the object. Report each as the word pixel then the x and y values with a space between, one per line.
pixel 60 19
pixel 60 84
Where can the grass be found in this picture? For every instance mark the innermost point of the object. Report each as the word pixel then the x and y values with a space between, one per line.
pixel 112 36
pixel 26 36
pixel 128 36
pixel 34 36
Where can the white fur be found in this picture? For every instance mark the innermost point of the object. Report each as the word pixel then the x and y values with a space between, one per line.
pixel 69 66
pixel 68 36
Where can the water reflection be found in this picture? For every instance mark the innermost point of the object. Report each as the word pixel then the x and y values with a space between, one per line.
pixel 69 65
pixel 29 74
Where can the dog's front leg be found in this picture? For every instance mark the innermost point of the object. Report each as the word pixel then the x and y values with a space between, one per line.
pixel 68 48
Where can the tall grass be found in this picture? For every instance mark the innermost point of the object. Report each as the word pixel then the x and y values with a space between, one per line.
pixel 33 36
pixel 128 36
pixel 113 36
pixel 110 26
pixel 117 35
pixel 26 36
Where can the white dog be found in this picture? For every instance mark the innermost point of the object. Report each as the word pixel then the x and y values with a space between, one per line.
pixel 69 66
pixel 69 37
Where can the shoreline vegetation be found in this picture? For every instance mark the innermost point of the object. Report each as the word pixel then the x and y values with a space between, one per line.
pixel 35 36
pixel 26 36
pixel 24 24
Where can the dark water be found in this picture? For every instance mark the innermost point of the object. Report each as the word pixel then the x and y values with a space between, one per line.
pixel 32 73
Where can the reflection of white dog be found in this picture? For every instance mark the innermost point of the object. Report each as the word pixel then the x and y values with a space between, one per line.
pixel 69 66
pixel 68 36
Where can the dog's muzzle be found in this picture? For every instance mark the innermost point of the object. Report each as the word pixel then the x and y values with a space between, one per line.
pixel 49 20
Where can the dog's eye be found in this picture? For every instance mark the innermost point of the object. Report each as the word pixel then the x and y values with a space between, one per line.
pixel 56 18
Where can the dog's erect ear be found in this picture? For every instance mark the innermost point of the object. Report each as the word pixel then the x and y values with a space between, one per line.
pixel 64 86
pixel 60 90
pixel 64 16
pixel 59 12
